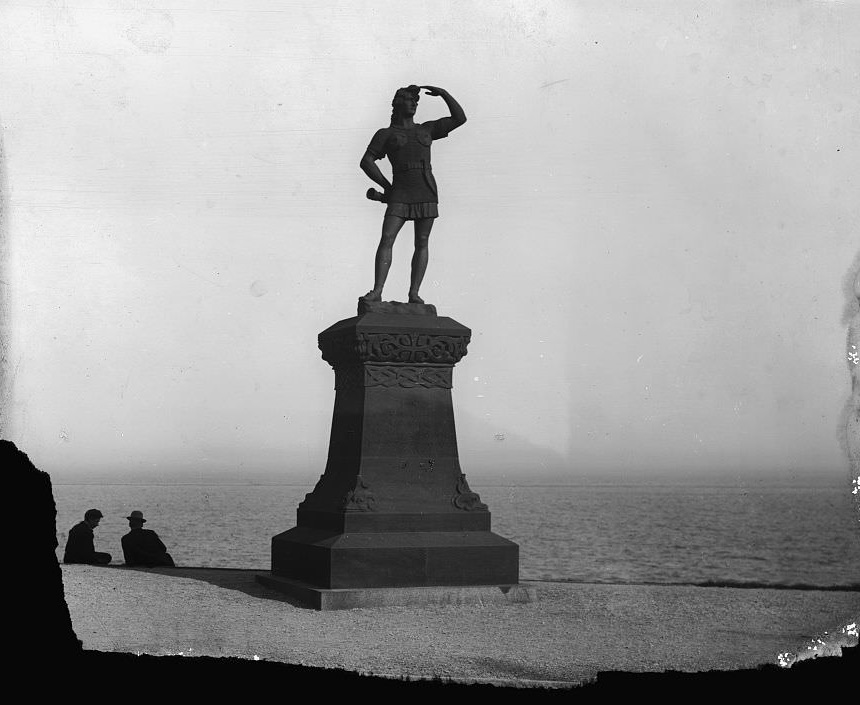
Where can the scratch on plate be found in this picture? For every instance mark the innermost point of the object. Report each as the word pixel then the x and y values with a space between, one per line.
pixel 199 276
pixel 552 83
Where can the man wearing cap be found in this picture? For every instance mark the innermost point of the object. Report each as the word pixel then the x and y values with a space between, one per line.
pixel 79 547
pixel 142 546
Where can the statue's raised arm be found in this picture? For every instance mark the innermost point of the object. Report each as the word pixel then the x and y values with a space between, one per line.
pixel 458 117
pixel 412 193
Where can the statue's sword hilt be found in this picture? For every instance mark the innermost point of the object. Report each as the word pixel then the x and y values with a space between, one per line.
pixel 375 195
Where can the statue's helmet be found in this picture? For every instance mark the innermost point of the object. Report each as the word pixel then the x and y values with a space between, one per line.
pixel 412 91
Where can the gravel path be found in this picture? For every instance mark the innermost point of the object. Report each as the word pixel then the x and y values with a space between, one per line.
pixel 571 633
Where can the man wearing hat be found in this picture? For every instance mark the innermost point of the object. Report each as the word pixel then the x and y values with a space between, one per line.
pixel 142 546
pixel 79 546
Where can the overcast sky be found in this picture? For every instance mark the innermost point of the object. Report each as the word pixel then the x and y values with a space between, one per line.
pixel 647 222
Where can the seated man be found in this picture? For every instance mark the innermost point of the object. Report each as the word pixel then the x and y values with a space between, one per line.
pixel 142 546
pixel 79 546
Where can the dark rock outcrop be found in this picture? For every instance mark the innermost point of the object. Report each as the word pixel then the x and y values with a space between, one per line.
pixel 43 628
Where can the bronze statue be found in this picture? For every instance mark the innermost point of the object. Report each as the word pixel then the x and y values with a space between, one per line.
pixel 413 195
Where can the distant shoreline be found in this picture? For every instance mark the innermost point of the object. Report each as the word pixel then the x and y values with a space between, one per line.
pixel 237 480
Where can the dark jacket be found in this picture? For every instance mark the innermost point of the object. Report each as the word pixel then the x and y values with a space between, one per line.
pixel 79 547
pixel 143 547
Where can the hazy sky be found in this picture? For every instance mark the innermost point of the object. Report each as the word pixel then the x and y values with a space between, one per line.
pixel 647 223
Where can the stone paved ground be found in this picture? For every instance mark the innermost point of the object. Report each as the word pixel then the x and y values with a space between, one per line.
pixel 572 632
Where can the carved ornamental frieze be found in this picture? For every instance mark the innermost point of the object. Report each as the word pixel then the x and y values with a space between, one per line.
pixel 407 348
pixel 403 376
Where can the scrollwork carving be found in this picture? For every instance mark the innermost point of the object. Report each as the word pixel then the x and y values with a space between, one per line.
pixel 359 498
pixel 311 499
pixel 409 348
pixel 415 347
pixel 407 377
pixel 464 498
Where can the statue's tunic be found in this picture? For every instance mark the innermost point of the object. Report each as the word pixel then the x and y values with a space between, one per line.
pixel 413 194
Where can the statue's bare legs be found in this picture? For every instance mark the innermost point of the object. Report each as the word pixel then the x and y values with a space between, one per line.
pixel 419 259
pixel 391 225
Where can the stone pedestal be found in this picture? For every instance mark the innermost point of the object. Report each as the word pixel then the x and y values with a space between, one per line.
pixel 393 508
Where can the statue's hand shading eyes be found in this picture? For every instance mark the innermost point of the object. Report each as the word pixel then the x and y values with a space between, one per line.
pixel 432 90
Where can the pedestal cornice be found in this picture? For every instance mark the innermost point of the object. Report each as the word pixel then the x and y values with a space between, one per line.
pixel 397 339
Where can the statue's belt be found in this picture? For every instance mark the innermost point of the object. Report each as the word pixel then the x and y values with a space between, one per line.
pixel 408 166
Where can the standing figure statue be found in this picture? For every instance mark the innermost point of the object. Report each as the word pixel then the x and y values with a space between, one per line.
pixel 413 195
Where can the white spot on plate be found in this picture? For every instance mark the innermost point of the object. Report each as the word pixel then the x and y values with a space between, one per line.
pixel 152 31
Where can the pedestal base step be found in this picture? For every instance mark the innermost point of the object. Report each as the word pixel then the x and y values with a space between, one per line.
pixel 352 598
pixel 394 559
